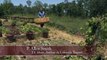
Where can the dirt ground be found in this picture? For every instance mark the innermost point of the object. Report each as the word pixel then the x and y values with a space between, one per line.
pixel 56 37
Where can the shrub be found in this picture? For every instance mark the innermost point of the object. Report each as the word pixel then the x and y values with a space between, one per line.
pixel 28 27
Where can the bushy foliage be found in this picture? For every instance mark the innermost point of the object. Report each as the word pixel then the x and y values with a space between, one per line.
pixel 96 31
pixel 27 27
pixel 1 12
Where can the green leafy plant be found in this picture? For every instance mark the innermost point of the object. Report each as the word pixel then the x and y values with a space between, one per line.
pixel 28 27
pixel 4 30
pixel 9 58
pixel 74 58
pixel 92 30
pixel 96 31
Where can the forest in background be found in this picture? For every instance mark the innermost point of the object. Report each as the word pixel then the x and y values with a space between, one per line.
pixel 76 8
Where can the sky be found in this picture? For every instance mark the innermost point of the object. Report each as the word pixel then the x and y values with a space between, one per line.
pixel 17 2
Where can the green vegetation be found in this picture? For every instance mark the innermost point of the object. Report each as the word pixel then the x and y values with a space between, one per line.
pixel 76 8
pixel 74 58
pixel 96 34
pixel 97 29
pixel 28 27
pixel 4 30
pixel 69 24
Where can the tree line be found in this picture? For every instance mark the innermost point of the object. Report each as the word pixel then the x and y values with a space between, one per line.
pixel 76 8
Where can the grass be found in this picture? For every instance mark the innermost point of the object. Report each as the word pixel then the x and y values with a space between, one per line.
pixel 70 24
pixel 27 15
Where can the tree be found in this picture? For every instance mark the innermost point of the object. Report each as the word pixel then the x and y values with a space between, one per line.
pixel 59 10
pixel 19 9
pixel 45 5
pixel 8 7
pixel 28 3
pixel 94 7
pixel 38 5
pixel 1 12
